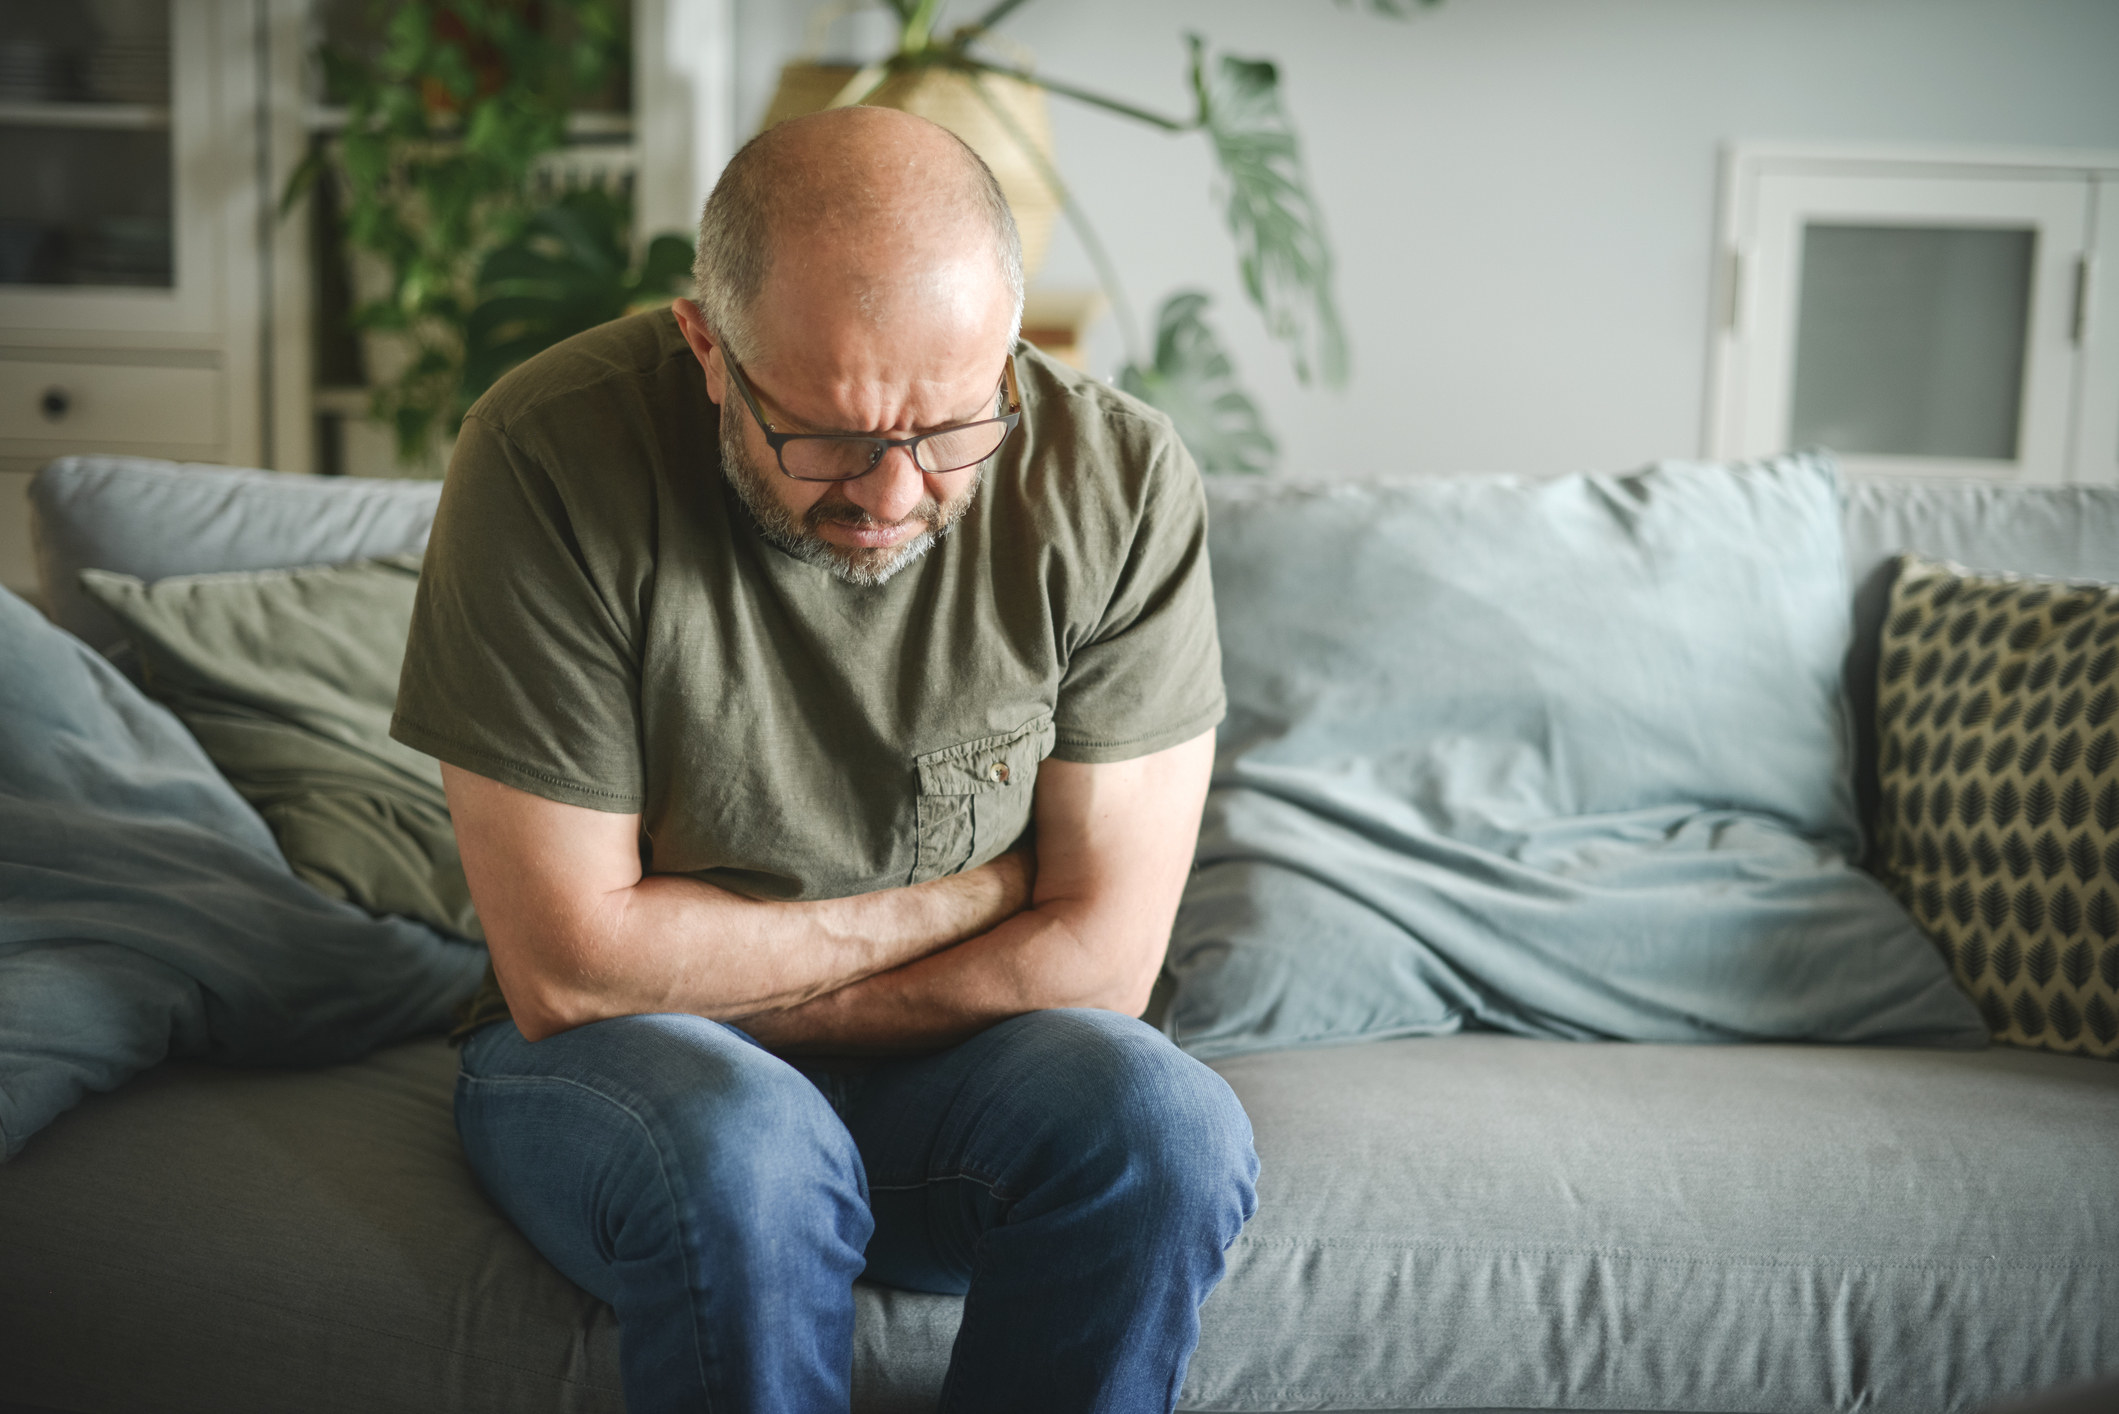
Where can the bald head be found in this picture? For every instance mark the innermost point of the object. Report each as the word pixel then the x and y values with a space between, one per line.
pixel 856 214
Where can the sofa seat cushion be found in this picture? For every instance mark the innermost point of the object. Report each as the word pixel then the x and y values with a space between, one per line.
pixel 1458 1222
pixel 208 1239
pixel 212 1239
pixel 1491 1221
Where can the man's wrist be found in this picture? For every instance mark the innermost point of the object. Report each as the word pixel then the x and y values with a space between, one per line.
pixel 997 890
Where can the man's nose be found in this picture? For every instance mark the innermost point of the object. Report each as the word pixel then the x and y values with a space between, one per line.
pixel 892 487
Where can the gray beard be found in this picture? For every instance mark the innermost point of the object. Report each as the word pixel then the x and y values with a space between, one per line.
pixel 797 534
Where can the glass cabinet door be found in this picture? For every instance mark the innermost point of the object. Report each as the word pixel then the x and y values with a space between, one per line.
pixel 86 188
pixel 1915 319
pixel 125 157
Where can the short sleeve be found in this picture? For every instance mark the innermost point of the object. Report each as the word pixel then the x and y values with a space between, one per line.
pixel 1149 675
pixel 522 664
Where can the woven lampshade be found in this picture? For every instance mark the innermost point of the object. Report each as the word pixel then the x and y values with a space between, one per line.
pixel 947 97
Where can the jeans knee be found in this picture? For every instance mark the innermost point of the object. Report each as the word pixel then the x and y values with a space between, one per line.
pixel 748 1134
pixel 696 1121
pixel 1166 1130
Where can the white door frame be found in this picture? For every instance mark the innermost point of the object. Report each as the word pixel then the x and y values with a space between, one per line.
pixel 684 109
pixel 2095 453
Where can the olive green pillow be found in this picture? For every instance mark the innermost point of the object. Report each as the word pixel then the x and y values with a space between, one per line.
pixel 287 678
pixel 1998 718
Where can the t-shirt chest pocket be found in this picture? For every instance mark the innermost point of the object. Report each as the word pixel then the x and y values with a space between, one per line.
pixel 975 798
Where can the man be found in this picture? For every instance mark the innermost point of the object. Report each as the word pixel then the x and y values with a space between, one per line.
pixel 826 802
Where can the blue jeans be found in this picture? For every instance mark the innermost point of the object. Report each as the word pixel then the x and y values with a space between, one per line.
pixel 1071 1173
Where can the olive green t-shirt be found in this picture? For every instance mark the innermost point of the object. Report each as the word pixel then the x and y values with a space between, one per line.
pixel 600 622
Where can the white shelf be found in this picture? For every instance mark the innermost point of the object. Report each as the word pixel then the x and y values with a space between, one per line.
pixel 340 401
pixel 132 116
pixel 605 127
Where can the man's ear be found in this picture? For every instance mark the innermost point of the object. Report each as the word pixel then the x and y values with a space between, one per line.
pixel 691 322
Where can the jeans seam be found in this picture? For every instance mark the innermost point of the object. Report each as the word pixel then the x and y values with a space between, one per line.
pixel 978 1253
pixel 991 1185
pixel 662 1170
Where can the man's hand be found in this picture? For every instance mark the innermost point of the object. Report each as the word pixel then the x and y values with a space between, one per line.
pixel 578 933
pixel 1114 845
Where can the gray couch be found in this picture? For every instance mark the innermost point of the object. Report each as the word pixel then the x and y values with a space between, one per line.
pixel 1471 1222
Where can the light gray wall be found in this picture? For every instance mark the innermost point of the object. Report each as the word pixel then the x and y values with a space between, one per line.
pixel 1522 193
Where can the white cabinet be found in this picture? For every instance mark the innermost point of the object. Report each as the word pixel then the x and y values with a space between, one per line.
pixel 128 289
pixel 110 406
pixel 152 299
pixel 1920 314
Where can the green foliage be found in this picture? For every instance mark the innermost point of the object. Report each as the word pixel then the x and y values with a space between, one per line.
pixel 1194 382
pixel 569 269
pixel 1283 255
pixel 1280 243
pixel 445 124
pixel 479 268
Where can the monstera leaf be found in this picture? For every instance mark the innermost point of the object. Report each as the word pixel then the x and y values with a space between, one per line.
pixel 1194 382
pixel 570 269
pixel 1280 242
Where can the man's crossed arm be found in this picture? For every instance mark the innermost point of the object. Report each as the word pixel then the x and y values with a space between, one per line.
pixel 578 933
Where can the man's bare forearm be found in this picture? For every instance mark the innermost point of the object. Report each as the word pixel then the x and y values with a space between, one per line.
pixel 1034 961
pixel 1114 848
pixel 673 944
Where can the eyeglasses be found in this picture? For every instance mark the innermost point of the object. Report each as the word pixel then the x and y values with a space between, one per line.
pixel 843 456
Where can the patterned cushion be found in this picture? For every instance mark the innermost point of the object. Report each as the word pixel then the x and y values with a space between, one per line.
pixel 1998 711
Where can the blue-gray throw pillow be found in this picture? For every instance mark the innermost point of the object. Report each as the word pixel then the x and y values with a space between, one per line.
pixel 1563 758
pixel 145 911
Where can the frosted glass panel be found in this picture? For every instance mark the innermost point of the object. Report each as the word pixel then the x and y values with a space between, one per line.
pixel 1910 340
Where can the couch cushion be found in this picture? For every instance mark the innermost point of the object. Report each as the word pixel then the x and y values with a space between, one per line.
pixel 2063 532
pixel 1560 758
pixel 145 910
pixel 1484 1220
pixel 154 519
pixel 313 1241
pixel 2000 810
pixel 212 1240
pixel 288 677
pixel 1470 1222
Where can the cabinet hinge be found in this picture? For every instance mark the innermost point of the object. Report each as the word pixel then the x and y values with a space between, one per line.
pixel 2079 325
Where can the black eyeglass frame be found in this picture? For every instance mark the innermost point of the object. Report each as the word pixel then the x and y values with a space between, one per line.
pixel 880 446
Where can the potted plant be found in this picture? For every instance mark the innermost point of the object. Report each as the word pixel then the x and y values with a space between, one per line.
pixel 464 256
pixel 466 261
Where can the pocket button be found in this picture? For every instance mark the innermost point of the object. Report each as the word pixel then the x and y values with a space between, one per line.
pixel 999 771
